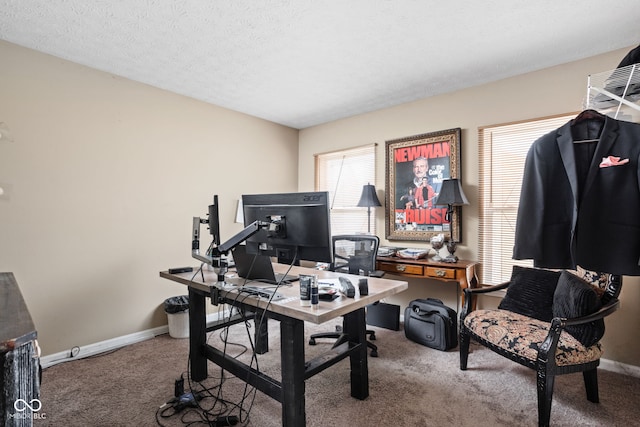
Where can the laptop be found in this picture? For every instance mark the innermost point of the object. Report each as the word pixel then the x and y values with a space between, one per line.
pixel 257 267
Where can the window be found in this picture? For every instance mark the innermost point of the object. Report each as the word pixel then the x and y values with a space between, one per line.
pixel 343 174
pixel 503 150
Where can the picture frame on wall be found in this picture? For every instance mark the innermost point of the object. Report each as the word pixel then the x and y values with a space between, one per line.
pixel 415 168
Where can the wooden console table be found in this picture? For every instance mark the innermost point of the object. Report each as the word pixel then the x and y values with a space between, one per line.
pixel 463 272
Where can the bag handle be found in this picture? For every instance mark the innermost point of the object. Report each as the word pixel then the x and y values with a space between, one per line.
pixel 421 312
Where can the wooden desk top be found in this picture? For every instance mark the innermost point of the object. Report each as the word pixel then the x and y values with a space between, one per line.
pixel 290 304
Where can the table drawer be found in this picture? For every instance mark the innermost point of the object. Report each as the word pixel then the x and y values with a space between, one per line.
pixel 393 267
pixel 441 273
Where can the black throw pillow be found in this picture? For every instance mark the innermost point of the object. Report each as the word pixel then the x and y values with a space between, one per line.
pixel 531 292
pixel 575 298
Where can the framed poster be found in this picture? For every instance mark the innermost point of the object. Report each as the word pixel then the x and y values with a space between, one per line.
pixel 416 167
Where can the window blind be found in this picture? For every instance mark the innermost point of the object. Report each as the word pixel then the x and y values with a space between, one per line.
pixel 503 150
pixel 343 174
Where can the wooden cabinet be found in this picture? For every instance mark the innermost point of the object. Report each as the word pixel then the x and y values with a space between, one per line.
pixel 463 272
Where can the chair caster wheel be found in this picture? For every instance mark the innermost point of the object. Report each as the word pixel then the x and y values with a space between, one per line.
pixel 374 353
pixel 312 341
pixel 372 337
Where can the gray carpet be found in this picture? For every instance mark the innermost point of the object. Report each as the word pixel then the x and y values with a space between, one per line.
pixel 410 385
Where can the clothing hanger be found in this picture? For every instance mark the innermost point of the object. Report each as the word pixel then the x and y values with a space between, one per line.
pixel 587 122
pixel 588 114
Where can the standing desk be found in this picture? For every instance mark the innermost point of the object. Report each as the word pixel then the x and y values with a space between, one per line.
pixel 292 317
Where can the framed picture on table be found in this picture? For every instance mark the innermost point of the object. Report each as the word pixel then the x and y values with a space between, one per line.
pixel 416 167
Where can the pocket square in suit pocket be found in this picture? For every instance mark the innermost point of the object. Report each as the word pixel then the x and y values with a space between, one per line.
pixel 612 161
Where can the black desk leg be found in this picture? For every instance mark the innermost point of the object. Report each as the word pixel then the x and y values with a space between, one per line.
pixel 261 338
pixel 355 327
pixel 292 360
pixel 197 335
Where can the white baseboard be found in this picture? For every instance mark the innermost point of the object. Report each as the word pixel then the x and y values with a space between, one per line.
pixel 111 344
pixel 620 368
pixel 101 347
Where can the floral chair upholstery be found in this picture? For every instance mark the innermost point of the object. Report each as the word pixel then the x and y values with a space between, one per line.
pixel 548 321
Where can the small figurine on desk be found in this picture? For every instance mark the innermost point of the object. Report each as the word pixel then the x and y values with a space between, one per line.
pixel 437 242
pixel 451 247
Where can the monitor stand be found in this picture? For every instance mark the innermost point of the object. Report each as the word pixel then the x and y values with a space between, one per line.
pixel 288 261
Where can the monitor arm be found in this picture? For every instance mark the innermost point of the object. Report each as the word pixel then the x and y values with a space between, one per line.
pixel 213 255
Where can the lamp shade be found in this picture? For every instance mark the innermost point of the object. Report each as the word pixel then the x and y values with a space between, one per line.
pixel 369 197
pixel 240 212
pixel 451 193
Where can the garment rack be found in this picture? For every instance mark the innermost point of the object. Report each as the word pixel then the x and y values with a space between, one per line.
pixel 612 90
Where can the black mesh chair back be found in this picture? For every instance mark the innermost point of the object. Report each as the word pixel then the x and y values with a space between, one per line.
pixel 355 254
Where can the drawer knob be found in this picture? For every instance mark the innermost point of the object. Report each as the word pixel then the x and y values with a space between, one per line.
pixel 401 267
pixel 441 273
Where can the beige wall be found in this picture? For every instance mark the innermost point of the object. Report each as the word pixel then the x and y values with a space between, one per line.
pixel 547 92
pixel 105 174
pixel 102 182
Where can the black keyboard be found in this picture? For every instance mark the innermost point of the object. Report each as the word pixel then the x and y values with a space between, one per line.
pixel 265 293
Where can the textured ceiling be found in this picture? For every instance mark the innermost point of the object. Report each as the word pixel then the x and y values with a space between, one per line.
pixel 302 63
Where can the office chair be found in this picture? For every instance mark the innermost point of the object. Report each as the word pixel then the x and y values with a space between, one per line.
pixel 353 254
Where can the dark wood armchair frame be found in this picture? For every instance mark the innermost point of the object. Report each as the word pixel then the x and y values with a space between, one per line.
pixel 545 364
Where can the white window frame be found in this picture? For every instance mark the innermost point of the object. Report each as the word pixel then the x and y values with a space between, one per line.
pixel 343 173
pixel 502 153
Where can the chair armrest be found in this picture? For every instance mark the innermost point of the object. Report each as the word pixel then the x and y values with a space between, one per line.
pixel 376 273
pixel 558 324
pixel 604 311
pixel 486 289
pixel 471 293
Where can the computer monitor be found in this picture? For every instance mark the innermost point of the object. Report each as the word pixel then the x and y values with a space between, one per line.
pixel 299 226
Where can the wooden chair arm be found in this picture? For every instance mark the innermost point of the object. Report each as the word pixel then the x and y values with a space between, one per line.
pixel 604 311
pixel 471 293
pixel 486 289
pixel 558 324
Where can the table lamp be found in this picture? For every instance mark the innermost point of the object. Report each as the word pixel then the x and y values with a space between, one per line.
pixel 451 194
pixel 369 199
pixel 240 212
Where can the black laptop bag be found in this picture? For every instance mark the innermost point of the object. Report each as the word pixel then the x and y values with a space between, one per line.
pixel 431 323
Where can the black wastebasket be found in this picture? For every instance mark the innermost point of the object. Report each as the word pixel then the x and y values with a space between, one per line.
pixel 177 309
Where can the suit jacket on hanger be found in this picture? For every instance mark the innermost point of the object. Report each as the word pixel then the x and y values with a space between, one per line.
pixel 592 219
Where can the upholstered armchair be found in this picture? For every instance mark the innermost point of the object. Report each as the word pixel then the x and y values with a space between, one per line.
pixel 549 321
